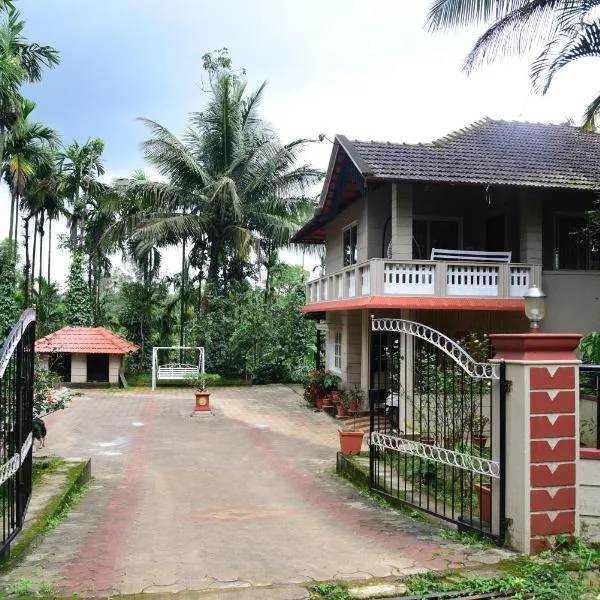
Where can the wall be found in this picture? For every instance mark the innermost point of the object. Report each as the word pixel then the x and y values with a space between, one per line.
pixel 589 496
pixel 334 237
pixel 573 303
pixel 114 365
pixel 78 368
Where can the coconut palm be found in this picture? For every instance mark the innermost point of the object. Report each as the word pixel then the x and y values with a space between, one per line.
pixel 566 30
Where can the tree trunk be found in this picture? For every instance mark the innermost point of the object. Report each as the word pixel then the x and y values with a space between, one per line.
pixel 33 254
pixel 182 300
pixel 49 246
pixel 42 218
pixel 27 265
pixel 12 218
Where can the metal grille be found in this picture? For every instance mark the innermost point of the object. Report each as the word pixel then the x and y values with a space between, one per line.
pixel 437 434
pixel 16 415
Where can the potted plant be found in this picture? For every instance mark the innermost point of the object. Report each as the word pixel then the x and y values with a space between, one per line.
pixel 479 424
pixel 200 383
pixel 351 441
pixel 484 499
pixel 343 404
pixel 314 389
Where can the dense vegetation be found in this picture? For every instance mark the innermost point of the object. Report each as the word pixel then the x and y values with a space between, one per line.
pixel 230 196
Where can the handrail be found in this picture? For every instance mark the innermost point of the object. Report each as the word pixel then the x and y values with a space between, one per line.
pixel 14 337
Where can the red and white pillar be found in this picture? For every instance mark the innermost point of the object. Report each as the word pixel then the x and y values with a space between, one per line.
pixel 542 437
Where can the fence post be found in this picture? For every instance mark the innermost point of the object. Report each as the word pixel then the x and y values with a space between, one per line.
pixel 542 437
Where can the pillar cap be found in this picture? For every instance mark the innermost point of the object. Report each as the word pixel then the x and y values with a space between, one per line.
pixel 536 346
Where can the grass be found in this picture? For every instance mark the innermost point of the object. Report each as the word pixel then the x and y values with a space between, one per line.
pixel 44 466
pixel 145 380
pixel 330 591
pixel 72 499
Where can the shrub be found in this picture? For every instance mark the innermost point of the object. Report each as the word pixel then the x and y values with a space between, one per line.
pixel 271 373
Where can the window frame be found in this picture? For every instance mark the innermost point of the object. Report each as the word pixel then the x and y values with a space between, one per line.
pixel 353 255
pixel 335 350
pixel 429 219
pixel 555 245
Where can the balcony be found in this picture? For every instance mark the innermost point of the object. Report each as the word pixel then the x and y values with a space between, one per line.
pixel 424 278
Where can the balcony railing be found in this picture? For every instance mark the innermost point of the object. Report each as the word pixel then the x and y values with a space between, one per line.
pixel 384 277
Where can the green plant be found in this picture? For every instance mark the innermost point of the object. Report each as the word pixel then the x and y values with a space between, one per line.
pixel 589 348
pixel 71 500
pixel 330 591
pixel 331 381
pixel 587 433
pixel 46 588
pixel 202 380
pixel 22 587
pixel 78 303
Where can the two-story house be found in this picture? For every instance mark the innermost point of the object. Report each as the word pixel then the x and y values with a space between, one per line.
pixel 512 196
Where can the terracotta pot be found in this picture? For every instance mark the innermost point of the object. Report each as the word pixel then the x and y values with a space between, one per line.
pixel 351 441
pixel 484 499
pixel 319 402
pixel 326 402
pixel 202 401
pixel 335 396
pixel 354 406
pixel 341 411
pixel 480 441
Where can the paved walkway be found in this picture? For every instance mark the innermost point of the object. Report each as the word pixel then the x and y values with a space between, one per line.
pixel 246 497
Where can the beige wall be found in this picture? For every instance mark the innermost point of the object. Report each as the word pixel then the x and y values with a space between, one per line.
pixel 114 364
pixel 78 368
pixel 573 303
pixel 356 212
pixel 589 499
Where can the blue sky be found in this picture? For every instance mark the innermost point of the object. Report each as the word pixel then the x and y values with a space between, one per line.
pixel 369 70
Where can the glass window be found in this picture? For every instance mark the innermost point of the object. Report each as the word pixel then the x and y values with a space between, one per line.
pixel 350 236
pixel 336 351
pixel 434 233
pixel 572 247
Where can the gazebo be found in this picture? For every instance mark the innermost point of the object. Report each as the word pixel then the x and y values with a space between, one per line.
pixel 83 355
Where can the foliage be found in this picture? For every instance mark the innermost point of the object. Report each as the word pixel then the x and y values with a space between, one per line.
pixel 9 312
pixel 202 380
pixel 589 348
pixel 78 306
pixel 565 30
pixel 270 373
pixel 318 384
pixel 47 396
pixel 331 591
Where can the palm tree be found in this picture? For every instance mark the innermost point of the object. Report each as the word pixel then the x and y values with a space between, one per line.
pixel 566 30
pixel 81 166
pixel 230 181
pixel 28 147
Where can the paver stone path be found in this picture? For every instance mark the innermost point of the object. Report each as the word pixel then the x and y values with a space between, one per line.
pixel 244 497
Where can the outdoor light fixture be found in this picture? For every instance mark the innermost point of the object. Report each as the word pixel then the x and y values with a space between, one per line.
pixel 535 307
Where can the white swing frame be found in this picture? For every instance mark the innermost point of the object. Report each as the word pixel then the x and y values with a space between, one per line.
pixel 175 371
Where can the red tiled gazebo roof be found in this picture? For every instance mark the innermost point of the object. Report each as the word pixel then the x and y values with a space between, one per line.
pixel 84 340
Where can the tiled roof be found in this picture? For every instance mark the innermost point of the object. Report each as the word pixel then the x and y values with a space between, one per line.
pixel 490 152
pixel 84 340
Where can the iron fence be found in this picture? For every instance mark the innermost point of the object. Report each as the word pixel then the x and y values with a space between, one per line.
pixel 437 437
pixel 16 417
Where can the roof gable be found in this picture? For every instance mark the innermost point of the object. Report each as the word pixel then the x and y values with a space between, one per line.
pixel 84 340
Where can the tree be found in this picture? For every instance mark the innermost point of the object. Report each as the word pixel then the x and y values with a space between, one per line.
pixel 8 282
pixel 566 30
pixel 78 306
pixel 50 308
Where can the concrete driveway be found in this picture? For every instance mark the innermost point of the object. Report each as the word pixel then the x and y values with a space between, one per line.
pixel 245 497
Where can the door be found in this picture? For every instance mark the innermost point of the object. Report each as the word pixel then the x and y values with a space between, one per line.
pixel 60 364
pixel 97 368
pixel 495 233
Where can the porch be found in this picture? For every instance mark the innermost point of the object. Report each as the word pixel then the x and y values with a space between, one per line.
pixel 440 279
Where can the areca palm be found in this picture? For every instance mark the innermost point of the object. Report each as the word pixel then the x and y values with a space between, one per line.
pixel 566 30
pixel 28 147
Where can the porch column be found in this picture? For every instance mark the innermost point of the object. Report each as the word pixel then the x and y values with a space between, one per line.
pixel 402 221
pixel 530 217
pixel 542 437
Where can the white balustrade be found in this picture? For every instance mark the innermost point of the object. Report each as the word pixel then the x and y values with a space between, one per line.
pixel 339 281
pixel 351 284
pixel 472 280
pixel 408 278
pixel 520 280
pixel 324 289
pixel 365 275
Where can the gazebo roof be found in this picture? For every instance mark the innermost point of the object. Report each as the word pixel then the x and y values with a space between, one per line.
pixel 84 340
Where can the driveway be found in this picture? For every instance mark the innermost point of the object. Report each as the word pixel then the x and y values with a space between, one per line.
pixel 244 497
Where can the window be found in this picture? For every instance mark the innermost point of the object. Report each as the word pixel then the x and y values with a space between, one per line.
pixel 335 361
pixel 350 235
pixel 435 233
pixel 572 247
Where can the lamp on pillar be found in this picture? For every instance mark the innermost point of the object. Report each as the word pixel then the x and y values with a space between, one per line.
pixel 535 307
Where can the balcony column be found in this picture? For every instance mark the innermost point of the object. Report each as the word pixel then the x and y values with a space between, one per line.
pixel 402 221
pixel 530 223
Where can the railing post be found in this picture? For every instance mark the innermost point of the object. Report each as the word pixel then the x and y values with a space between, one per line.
pixel 503 280
pixel 376 276
pixel 441 278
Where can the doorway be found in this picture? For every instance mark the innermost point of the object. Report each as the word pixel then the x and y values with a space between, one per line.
pixel 495 233
pixel 97 368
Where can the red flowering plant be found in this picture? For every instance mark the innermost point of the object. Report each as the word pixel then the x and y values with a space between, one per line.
pixel 318 384
pixel 47 396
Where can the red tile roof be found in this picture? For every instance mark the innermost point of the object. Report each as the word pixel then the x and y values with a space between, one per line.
pixel 429 303
pixel 84 340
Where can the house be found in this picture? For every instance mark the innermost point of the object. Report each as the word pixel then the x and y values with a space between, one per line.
pixel 81 355
pixel 512 196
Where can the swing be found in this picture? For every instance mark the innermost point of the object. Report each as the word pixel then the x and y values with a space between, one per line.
pixel 174 371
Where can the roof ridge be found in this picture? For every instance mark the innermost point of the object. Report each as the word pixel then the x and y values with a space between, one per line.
pixel 453 135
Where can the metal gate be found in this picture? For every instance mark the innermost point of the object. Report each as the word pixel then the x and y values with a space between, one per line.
pixel 16 415
pixel 437 426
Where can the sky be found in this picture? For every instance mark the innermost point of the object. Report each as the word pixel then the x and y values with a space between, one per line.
pixel 369 70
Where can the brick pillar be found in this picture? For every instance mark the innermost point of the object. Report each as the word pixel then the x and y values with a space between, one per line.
pixel 542 437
